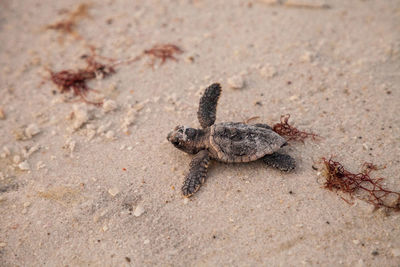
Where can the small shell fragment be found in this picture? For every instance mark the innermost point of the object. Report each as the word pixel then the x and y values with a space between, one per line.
pixel 32 130
pixel 24 166
pixel 113 191
pixel 138 211
pixel 109 105
pixel 236 82
pixel 40 165
pixel 268 71
pixel 81 116
pixel 307 57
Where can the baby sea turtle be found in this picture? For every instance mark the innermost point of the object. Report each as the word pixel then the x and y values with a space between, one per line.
pixel 225 142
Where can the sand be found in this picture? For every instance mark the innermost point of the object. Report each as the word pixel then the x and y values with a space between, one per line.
pixel 83 185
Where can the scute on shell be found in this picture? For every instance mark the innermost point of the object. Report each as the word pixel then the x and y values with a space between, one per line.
pixel 239 142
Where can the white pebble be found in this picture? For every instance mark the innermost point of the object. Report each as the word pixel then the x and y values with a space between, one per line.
pixel 185 200
pixel 138 211
pixel 236 82
pixel 24 166
pixel 130 148
pixel 2 244
pixel 268 71
pixel 105 228
pixel 109 105
pixel 32 130
pixel 356 242
pixel 307 57
pixel 129 119
pixel 113 191
pixel 146 242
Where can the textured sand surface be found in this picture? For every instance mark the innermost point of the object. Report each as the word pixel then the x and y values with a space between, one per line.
pixel 103 188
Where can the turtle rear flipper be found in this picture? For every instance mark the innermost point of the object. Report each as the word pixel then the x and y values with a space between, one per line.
pixel 197 173
pixel 282 162
pixel 208 105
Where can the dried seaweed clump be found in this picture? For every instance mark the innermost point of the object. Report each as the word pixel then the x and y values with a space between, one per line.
pixel 163 52
pixel 366 188
pixel 290 132
pixel 68 25
pixel 75 81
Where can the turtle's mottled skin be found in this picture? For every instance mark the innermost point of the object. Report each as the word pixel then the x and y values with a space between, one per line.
pixel 225 142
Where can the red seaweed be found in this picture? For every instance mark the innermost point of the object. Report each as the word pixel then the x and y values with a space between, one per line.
pixel 361 184
pixel 163 52
pixel 290 132
pixel 75 81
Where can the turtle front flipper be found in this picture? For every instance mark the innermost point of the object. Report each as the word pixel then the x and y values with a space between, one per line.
pixel 208 105
pixel 197 173
pixel 282 162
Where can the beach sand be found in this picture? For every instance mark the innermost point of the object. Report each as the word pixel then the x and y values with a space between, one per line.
pixel 82 185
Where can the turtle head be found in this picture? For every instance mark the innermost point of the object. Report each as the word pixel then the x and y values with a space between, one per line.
pixel 186 139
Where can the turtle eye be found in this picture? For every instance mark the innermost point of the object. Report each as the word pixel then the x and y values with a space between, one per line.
pixel 190 132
